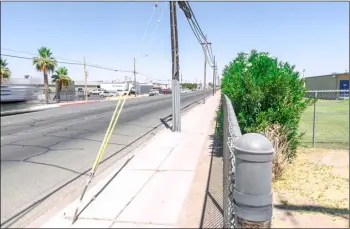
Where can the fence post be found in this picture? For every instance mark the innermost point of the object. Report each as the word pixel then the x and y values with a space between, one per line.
pixel 314 123
pixel 253 181
pixel 226 159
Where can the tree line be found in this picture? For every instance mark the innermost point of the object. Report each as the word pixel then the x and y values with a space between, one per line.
pixel 189 85
pixel 45 63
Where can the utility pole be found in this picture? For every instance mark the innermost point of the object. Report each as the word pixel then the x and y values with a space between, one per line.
pixel 217 75
pixel 85 73
pixel 181 78
pixel 175 69
pixel 205 48
pixel 214 67
pixel 134 76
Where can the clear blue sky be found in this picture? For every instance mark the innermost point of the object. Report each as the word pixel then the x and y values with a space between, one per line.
pixel 311 35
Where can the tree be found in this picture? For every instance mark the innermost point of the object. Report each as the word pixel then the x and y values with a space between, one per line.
pixel 61 78
pixel 45 63
pixel 189 85
pixel 5 72
pixel 266 92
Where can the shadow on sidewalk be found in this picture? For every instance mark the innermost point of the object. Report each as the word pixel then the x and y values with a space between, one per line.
pixel 340 212
pixel 212 214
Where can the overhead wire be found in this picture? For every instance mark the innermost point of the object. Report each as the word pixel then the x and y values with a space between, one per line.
pixel 156 27
pixel 149 22
pixel 71 63
pixel 109 132
pixel 32 54
pixel 205 50
pixel 197 31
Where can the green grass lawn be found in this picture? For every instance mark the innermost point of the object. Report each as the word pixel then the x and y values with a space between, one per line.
pixel 332 124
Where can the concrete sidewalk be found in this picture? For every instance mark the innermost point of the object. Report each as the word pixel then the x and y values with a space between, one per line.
pixel 152 188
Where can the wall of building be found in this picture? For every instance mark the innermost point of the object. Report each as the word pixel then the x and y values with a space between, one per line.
pixel 144 88
pixel 342 77
pixel 328 82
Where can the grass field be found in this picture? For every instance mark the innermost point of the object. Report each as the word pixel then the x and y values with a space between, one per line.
pixel 332 124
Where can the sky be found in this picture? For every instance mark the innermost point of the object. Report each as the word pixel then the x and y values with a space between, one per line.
pixel 310 35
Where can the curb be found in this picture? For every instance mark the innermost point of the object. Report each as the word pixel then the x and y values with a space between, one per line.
pixel 79 102
pixel 28 110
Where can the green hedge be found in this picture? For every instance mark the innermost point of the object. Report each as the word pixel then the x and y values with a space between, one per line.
pixel 265 91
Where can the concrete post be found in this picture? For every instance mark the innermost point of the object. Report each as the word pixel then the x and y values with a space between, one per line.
pixel 253 181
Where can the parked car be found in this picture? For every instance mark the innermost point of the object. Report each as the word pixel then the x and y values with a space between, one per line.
pixel 133 92
pixel 166 91
pixel 81 93
pixel 108 94
pixel 95 92
pixel 153 92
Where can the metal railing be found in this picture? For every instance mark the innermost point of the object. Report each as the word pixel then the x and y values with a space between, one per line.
pixel 326 123
pixel 247 175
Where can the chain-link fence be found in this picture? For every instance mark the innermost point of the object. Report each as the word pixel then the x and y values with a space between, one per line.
pixel 247 175
pixel 231 131
pixel 63 96
pixel 326 123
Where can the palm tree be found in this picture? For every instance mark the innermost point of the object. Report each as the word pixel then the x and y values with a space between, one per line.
pixel 45 63
pixel 61 78
pixel 5 72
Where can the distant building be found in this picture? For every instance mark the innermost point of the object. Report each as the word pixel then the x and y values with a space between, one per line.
pixel 114 87
pixel 335 81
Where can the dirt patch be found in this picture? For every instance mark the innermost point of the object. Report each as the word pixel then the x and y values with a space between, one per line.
pixel 313 191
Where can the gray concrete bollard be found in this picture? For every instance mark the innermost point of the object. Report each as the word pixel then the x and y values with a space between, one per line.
pixel 253 181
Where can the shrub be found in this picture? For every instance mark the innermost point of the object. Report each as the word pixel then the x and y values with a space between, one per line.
pixel 265 92
pixel 219 119
pixel 278 137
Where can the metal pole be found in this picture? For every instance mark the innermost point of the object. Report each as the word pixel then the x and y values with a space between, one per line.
pixel 175 69
pixel 314 123
pixel 135 76
pixel 86 94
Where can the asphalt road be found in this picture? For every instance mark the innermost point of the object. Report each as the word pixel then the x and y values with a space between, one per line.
pixel 42 152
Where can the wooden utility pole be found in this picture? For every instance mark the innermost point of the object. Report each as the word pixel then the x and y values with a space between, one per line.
pixel 85 73
pixel 214 68
pixel 205 48
pixel 176 119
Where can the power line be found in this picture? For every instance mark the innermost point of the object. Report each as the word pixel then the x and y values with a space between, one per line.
pixel 149 22
pixel 155 29
pixel 71 63
pixel 32 54
pixel 81 64
pixel 197 31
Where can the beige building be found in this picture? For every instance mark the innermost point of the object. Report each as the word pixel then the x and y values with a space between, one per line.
pixel 335 81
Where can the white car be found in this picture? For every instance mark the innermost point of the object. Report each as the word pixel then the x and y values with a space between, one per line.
pixel 108 94
pixel 153 92
pixel 95 92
